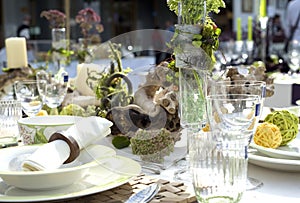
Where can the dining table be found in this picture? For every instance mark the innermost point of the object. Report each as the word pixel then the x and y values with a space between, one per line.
pixel 280 182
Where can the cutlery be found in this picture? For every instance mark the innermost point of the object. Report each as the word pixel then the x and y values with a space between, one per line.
pixel 162 167
pixel 156 171
pixel 145 195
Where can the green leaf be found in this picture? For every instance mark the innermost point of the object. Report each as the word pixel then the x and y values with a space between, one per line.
pixel 197 44
pixel 40 137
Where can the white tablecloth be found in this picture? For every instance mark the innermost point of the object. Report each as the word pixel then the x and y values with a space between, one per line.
pixel 283 91
pixel 278 186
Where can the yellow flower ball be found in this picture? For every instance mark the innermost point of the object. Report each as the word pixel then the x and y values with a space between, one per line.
pixel 42 113
pixel 267 135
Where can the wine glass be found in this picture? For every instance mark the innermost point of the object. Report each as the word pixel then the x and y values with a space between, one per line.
pixel 293 57
pixel 42 75
pixel 55 89
pixel 230 116
pixel 250 88
pixel 27 92
pixel 232 112
pixel 55 93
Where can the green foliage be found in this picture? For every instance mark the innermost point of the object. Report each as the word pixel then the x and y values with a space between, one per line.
pixel 63 52
pixel 121 142
pixel 73 110
pixel 192 11
pixel 39 137
pixel 113 85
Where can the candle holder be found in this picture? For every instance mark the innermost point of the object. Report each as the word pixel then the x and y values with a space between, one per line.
pixel 263 22
pixel 250 50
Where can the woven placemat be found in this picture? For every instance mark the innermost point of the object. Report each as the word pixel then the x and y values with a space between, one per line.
pixel 172 192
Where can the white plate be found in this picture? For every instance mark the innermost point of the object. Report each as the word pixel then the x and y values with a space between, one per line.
pixel 11 171
pixel 117 171
pixel 259 159
pixel 290 151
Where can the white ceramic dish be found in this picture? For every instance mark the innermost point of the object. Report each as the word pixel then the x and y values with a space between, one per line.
pixel 38 129
pixel 259 159
pixel 290 151
pixel 114 173
pixel 267 110
pixel 12 174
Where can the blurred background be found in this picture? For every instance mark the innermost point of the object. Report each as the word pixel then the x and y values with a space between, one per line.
pixel 121 16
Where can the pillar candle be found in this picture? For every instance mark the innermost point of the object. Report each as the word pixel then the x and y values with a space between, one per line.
pixel 16 52
pixel 263 8
pixel 250 28
pixel 239 29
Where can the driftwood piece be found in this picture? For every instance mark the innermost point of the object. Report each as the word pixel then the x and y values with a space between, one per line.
pixel 8 78
pixel 254 74
pixel 132 117
pixel 155 106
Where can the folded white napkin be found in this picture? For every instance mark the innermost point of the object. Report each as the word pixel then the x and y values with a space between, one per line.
pixel 53 154
pixel 49 156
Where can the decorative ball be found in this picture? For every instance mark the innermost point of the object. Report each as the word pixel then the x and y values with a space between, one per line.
pixel 267 135
pixel 287 122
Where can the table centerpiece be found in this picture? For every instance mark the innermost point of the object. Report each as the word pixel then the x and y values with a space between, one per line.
pixel 59 46
pixel 90 23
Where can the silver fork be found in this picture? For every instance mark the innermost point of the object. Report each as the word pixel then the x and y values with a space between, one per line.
pixel 145 195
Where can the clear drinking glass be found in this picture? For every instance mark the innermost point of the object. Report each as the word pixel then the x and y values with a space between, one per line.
pixel 218 166
pixel 218 158
pixel 232 112
pixel 248 87
pixel 245 87
pixel 55 89
pixel 42 76
pixel 55 93
pixel 27 92
pixel 293 57
pixel 10 113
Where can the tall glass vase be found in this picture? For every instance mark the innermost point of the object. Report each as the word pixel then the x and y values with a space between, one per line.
pixel 194 65
pixel 59 44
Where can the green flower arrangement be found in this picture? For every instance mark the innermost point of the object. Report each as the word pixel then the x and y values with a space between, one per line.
pixel 196 12
pixel 194 42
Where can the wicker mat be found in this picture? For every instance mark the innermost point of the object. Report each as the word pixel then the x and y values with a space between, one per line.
pixel 170 192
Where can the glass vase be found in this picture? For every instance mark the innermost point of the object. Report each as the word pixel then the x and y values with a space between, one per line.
pixel 59 45
pixel 194 66
pixel 85 50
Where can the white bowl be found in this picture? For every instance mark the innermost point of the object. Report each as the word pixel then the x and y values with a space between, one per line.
pixel 38 129
pixel 12 174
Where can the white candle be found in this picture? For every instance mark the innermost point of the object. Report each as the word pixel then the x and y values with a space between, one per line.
pixel 16 52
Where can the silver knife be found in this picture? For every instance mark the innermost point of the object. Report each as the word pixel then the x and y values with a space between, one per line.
pixel 145 195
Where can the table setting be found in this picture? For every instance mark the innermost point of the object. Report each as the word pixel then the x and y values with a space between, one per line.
pixel 99 179
pixel 179 131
